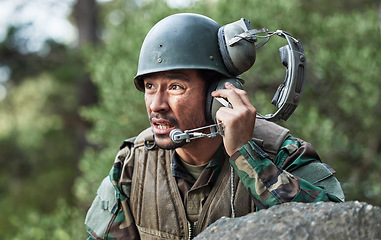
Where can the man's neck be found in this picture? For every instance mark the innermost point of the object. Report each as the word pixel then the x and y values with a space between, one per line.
pixel 200 152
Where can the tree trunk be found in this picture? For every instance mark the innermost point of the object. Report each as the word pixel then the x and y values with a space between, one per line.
pixel 86 16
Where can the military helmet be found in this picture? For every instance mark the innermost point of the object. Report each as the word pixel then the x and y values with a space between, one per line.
pixel 181 41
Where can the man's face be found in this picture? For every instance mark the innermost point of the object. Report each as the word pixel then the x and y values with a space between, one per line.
pixel 174 100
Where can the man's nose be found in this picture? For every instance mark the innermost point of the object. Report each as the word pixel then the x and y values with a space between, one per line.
pixel 159 102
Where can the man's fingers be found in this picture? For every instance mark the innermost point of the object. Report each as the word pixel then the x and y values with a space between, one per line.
pixel 234 95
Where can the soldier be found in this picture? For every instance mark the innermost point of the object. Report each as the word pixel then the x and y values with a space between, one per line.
pixel 159 188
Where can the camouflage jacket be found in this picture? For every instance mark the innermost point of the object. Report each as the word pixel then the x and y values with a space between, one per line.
pixel 266 173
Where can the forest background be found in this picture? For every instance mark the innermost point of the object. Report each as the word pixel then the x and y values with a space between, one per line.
pixel 65 108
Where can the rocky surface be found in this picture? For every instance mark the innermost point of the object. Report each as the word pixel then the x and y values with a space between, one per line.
pixel 349 220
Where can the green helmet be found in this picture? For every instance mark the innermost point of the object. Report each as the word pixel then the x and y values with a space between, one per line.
pixel 181 41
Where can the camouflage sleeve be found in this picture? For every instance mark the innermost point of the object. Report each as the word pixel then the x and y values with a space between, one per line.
pixel 109 216
pixel 270 182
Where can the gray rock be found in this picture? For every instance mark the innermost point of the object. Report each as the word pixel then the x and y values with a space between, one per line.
pixel 349 220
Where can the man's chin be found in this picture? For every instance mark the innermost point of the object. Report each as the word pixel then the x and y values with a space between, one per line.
pixel 164 142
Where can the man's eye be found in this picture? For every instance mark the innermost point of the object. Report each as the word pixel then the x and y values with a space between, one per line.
pixel 148 86
pixel 176 87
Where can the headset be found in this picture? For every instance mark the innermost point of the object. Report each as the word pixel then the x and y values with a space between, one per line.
pixel 238 43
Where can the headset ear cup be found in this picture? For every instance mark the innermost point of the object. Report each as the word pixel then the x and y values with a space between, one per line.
pixel 240 56
pixel 225 53
pixel 209 102
pixel 212 105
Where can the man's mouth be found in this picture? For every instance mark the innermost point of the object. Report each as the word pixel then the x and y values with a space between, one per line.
pixel 162 129
pixel 161 126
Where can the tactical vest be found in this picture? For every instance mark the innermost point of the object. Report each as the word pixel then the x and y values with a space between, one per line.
pixel 155 200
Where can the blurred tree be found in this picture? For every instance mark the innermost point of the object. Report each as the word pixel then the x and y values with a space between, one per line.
pixel 36 144
pixel 42 135
pixel 41 89
pixel 86 17
pixel 346 72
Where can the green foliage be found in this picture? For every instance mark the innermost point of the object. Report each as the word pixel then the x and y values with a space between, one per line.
pixel 32 145
pixel 346 81
pixel 38 146
pixel 28 130
pixel 62 224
